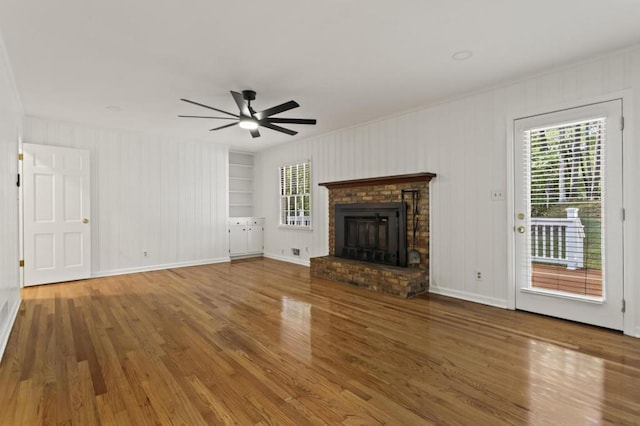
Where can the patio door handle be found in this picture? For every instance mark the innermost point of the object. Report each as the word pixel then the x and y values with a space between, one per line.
pixel 521 229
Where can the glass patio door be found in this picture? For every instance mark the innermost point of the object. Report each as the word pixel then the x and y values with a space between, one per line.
pixel 568 206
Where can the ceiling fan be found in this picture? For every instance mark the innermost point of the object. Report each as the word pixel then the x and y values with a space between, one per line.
pixel 249 119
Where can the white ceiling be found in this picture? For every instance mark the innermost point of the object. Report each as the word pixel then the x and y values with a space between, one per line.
pixel 344 61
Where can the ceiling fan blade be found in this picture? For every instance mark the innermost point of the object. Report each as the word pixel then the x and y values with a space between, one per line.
pixel 276 110
pixel 207 106
pixel 242 104
pixel 278 128
pixel 202 116
pixel 290 120
pixel 255 133
pixel 222 127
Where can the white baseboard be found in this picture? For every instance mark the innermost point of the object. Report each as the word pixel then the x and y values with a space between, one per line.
pixel 6 332
pixel 485 300
pixel 135 270
pixel 306 263
pixel 245 256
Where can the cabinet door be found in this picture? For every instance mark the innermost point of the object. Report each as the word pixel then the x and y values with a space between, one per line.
pixel 255 239
pixel 237 239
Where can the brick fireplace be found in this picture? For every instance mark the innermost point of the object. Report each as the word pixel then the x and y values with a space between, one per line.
pixel 374 227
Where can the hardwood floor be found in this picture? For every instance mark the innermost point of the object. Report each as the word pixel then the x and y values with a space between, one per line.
pixel 586 282
pixel 260 342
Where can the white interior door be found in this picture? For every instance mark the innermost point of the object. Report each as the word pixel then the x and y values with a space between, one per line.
pixel 569 217
pixel 57 234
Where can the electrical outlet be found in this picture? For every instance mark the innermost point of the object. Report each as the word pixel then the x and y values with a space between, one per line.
pixel 145 253
pixel 478 276
pixel 295 251
pixel 497 195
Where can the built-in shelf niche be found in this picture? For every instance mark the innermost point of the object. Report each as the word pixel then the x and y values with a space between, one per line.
pixel 241 184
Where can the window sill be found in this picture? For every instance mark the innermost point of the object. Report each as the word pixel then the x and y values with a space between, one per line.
pixel 297 228
pixel 564 295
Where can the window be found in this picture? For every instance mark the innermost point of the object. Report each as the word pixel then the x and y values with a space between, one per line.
pixel 564 166
pixel 295 195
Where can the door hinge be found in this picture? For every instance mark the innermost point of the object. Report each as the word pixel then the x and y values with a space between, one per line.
pixel 621 122
pixel 624 214
pixel 624 306
pixel 20 157
pixel 22 263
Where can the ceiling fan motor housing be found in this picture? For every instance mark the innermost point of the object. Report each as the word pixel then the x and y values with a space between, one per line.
pixel 249 95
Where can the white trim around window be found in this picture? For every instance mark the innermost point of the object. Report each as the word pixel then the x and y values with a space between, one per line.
pixel 295 195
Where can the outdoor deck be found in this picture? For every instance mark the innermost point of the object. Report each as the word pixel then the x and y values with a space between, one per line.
pixel 557 277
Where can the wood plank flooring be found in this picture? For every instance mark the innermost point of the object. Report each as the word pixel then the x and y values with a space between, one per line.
pixel 260 342
pixel 586 282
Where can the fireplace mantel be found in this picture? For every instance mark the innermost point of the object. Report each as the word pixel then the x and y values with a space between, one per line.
pixel 382 180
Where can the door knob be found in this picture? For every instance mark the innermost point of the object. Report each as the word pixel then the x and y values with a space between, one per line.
pixel 521 229
pixel 85 220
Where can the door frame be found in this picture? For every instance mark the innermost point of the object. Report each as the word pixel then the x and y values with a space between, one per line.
pixel 630 315
pixel 20 211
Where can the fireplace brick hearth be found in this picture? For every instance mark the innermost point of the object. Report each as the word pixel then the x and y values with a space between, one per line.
pixel 400 281
pixel 395 280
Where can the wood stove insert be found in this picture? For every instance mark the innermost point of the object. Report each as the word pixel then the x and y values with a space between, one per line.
pixel 372 232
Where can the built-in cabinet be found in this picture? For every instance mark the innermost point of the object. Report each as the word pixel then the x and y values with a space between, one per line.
pixel 240 184
pixel 246 236
pixel 246 233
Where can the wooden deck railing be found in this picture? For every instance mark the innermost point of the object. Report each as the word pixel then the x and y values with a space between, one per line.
pixel 558 240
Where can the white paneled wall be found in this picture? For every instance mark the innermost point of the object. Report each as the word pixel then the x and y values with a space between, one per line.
pixel 10 124
pixel 464 141
pixel 149 194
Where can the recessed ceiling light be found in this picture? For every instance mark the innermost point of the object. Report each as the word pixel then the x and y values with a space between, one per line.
pixel 462 55
pixel 113 108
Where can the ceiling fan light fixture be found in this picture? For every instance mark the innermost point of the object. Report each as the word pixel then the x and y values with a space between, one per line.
pixel 249 119
pixel 248 123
